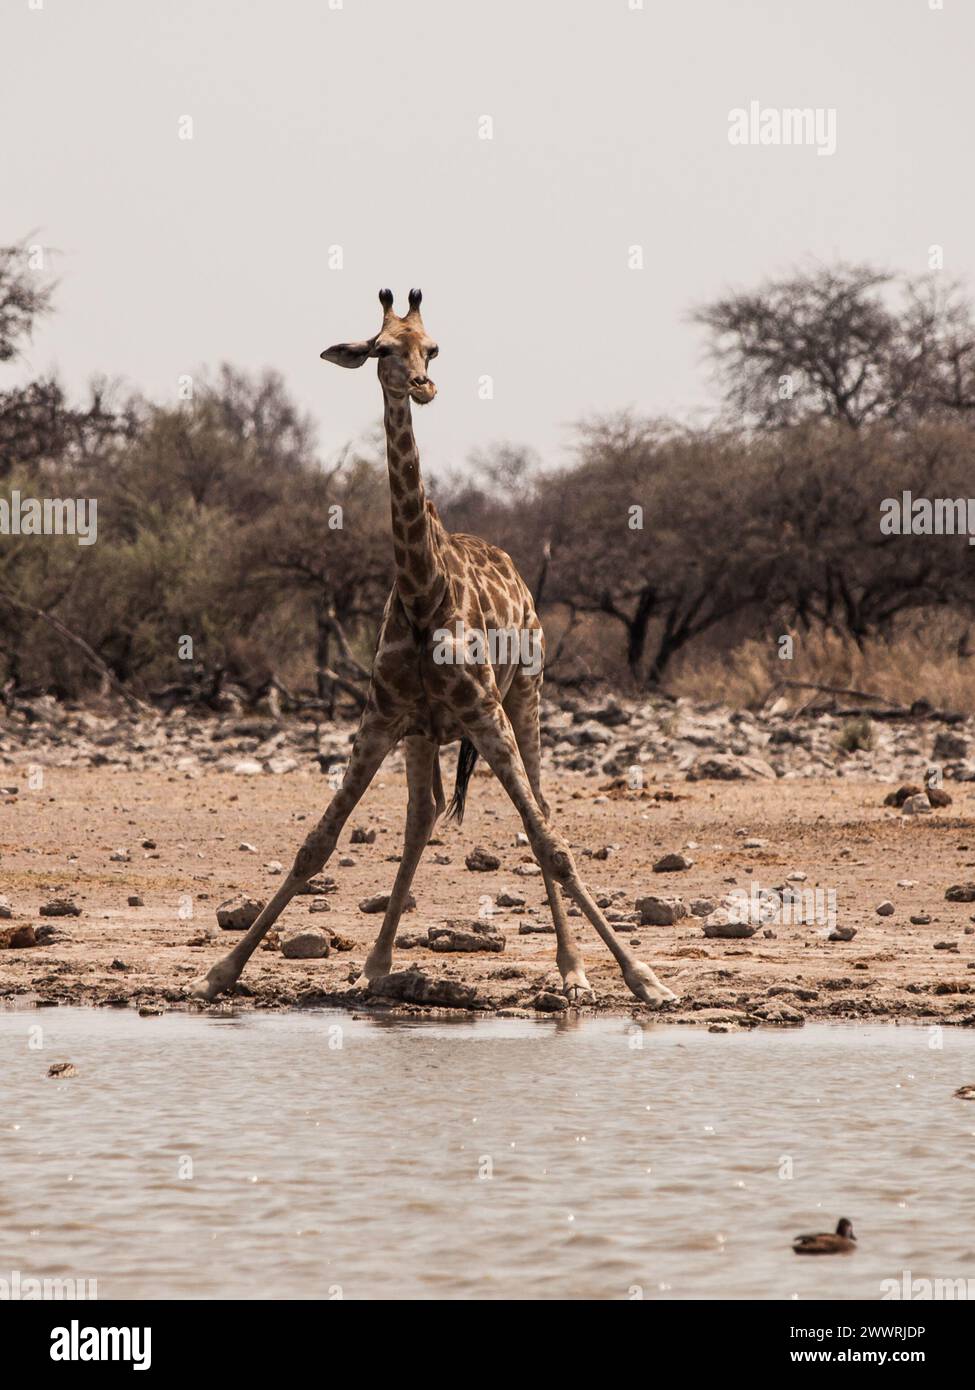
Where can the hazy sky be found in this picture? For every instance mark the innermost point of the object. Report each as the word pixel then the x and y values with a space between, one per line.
pixel 358 127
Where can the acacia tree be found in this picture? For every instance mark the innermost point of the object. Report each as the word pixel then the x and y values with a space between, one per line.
pixel 660 530
pixel 848 342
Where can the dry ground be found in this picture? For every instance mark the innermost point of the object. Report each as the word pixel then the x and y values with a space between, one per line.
pixel 837 832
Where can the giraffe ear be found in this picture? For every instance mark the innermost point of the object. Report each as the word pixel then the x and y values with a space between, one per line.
pixel 349 354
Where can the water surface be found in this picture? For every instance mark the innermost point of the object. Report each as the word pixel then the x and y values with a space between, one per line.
pixel 314 1155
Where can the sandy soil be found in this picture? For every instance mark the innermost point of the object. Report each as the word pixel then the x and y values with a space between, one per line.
pixel 58 840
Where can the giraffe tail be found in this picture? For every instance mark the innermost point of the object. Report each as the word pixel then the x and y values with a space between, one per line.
pixel 466 759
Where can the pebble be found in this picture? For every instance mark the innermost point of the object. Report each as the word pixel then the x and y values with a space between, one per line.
pixel 239 913
pixel 60 907
pixel 480 861
pixel 304 943
pixel 672 863
pixel 660 912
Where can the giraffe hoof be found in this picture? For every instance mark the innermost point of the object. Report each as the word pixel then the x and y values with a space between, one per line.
pixel 577 988
pixel 641 981
pixel 208 986
pixel 577 996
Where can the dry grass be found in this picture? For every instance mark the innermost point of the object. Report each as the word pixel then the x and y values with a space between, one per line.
pixel 920 664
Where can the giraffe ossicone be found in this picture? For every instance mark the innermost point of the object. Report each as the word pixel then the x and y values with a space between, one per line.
pixel 445 582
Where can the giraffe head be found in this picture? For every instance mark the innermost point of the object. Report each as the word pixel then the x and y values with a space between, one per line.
pixel 403 348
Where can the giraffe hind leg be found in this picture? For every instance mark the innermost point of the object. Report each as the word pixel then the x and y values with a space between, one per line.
pixel 490 731
pixel 521 706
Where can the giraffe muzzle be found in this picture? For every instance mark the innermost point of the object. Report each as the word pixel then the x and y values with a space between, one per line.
pixel 423 392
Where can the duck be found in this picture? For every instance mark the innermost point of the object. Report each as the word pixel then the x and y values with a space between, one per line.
pixel 842 1242
pixel 965 1093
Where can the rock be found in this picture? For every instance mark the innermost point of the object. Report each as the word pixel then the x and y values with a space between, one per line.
pixel 921 919
pixel 949 747
pixel 672 864
pixel 916 806
pixel 903 793
pixel 237 914
pixel 62 1069
pixel 722 925
pixel 729 767
pixel 6 911
pixel 120 856
pixel 781 1014
pixel 535 928
pixel 47 935
pixel 60 907
pixel 135 901
pixel 479 861
pixel 755 844
pixel 510 899
pixel 842 934
pixel 660 912
pixel 957 893
pixel 361 836
pixel 703 907
pixel 274 867
pixel 319 905
pixel 465 936
pixel 611 713
pixel 246 847
pixel 587 735
pixel 247 767
pixel 279 766
pixel 412 986
pixel 527 870
pixel 305 943
pixel 148 844
pixel 381 902
pixel 17 938
pixel 550 1003
pixel 884 909
pixel 317 887
pixel 150 1011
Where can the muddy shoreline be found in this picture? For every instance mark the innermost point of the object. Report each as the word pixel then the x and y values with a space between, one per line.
pixel 182 844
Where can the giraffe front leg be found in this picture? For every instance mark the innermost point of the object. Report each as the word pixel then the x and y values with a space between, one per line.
pixel 421 816
pixel 491 733
pixel 372 743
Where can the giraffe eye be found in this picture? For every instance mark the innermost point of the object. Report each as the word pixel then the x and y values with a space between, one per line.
pixel 383 351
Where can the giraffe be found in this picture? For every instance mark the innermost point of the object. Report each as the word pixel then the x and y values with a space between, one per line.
pixel 427 691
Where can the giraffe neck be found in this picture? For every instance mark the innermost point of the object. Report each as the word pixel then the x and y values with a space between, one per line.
pixel 420 572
